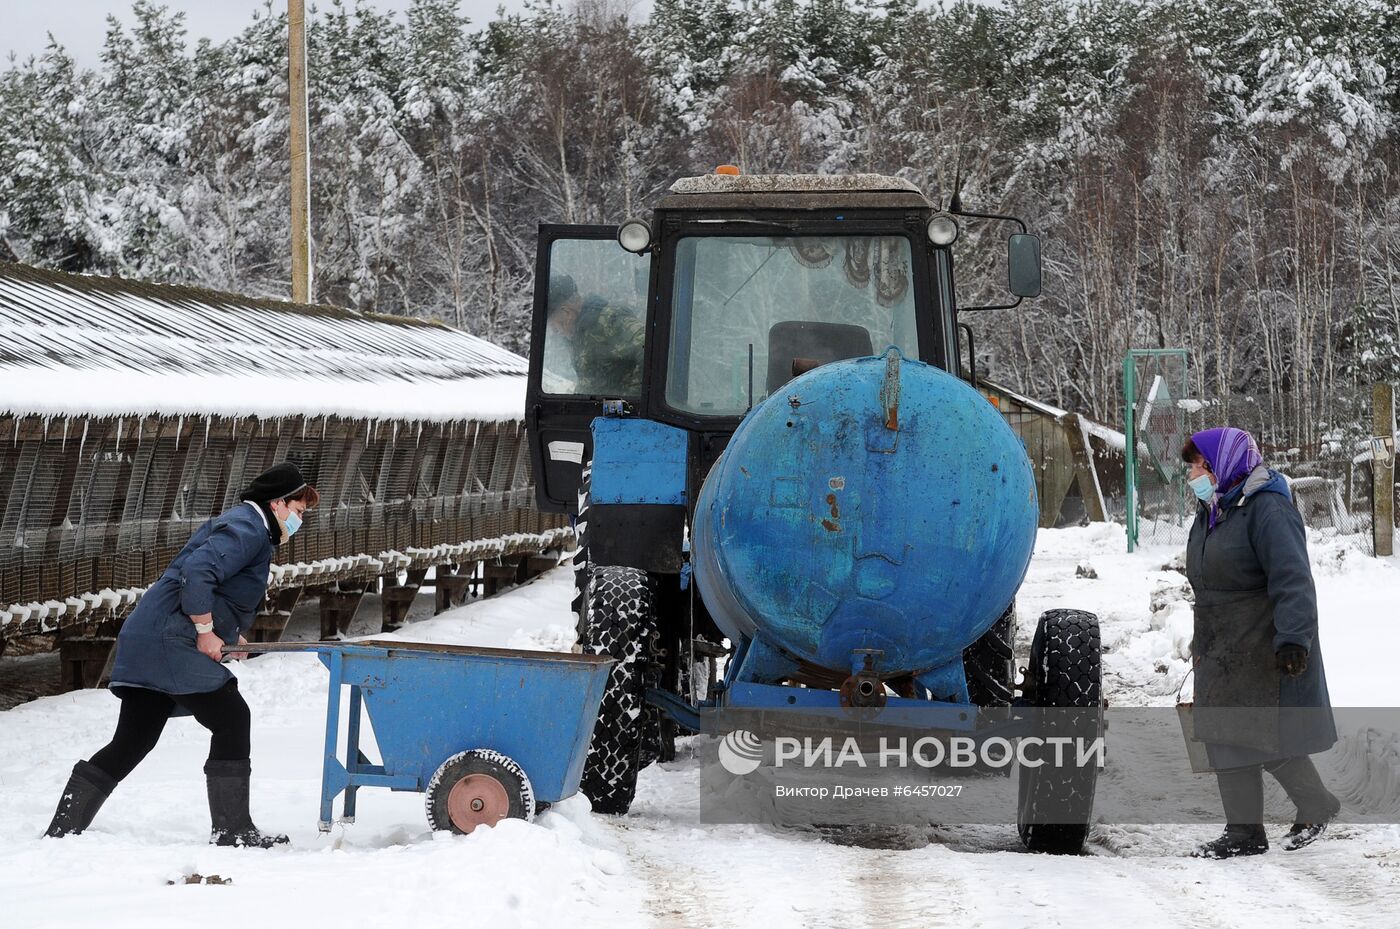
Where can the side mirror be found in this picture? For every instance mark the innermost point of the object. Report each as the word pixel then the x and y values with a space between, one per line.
pixel 1023 264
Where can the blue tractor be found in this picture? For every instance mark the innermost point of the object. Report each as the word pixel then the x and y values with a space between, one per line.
pixel 753 403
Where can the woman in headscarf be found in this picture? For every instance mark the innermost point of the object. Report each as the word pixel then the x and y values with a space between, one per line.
pixel 169 655
pixel 1260 691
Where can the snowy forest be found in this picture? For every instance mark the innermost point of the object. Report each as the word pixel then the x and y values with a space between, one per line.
pixel 1219 175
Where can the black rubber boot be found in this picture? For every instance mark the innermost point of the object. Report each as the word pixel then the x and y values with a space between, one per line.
pixel 1317 806
pixel 87 789
pixel 228 806
pixel 1236 841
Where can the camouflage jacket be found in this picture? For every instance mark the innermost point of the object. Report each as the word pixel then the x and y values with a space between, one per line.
pixel 607 350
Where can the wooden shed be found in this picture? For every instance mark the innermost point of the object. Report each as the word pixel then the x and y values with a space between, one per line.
pixel 1078 463
pixel 132 412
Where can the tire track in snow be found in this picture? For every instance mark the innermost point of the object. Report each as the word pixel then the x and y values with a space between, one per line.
pixel 674 897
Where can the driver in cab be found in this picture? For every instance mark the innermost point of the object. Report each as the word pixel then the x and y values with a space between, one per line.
pixel 602 343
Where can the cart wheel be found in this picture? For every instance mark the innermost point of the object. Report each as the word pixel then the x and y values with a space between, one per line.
pixel 478 788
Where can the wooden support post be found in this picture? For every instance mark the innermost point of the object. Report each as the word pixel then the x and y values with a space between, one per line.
pixel 1383 468
pixel 1085 469
pixel 536 565
pixel 338 608
pixel 395 603
pixel 82 659
pixel 450 587
pixel 272 620
pixel 493 574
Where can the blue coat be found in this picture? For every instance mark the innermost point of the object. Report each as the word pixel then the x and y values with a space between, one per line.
pixel 1254 594
pixel 221 570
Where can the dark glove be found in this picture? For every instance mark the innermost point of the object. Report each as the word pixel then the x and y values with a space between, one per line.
pixel 1292 660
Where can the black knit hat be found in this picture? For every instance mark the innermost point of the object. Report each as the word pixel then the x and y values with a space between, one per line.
pixel 561 288
pixel 279 481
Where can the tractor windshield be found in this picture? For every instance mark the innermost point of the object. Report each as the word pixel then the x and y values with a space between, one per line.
pixel 749 313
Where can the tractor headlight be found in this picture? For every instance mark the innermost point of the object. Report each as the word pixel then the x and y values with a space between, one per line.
pixel 634 235
pixel 943 230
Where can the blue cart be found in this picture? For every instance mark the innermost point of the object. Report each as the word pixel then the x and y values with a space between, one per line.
pixel 484 733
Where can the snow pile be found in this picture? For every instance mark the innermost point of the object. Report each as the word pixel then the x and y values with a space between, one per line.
pixel 566 869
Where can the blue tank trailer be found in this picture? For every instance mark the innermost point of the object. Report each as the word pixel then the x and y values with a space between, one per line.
pixel 794 472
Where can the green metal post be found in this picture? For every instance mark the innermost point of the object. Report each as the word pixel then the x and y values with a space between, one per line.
pixel 1130 447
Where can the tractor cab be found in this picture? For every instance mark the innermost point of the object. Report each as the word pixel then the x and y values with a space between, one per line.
pixel 734 286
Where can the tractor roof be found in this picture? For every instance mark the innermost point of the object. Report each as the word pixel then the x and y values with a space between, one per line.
pixel 803 191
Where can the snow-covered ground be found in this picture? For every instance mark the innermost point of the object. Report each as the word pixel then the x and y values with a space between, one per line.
pixel 659 865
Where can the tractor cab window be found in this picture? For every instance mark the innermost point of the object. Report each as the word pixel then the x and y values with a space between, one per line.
pixel 752 312
pixel 595 332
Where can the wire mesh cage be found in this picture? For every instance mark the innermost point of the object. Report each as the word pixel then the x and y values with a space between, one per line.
pixel 1156 402
pixel 107 502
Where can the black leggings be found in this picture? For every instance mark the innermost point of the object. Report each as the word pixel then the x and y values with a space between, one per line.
pixel 145 712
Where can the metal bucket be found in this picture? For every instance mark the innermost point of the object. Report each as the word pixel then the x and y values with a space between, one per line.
pixel 1196 752
pixel 1195 749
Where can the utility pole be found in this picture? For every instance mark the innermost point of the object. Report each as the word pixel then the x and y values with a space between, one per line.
pixel 1383 469
pixel 301 163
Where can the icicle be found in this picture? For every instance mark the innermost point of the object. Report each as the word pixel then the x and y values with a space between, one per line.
pixel 64 446
pixel 366 432
pixel 83 442
pixel 16 441
pixel 324 422
pixel 206 429
pixel 396 432
pixel 140 430
pixel 419 440
pixel 120 420
pixel 303 428
pixel 179 428
pixel 46 427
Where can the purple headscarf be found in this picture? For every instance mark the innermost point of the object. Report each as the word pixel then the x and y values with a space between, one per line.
pixel 1231 454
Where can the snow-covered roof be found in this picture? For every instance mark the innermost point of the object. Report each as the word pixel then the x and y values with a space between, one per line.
pixel 73 344
pixel 1112 438
pixel 790 183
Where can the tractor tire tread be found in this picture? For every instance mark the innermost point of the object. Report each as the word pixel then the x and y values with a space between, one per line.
pixel 621 623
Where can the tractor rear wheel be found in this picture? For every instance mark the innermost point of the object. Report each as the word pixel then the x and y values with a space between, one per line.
pixel 581 566
pixel 1055 803
pixel 990 665
pixel 620 622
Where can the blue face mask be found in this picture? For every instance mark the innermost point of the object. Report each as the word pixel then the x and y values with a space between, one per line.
pixel 1203 487
pixel 292 522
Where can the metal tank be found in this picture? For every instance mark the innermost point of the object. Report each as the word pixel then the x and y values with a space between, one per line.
pixel 872 504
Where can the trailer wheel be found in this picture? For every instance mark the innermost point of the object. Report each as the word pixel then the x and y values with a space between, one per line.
pixel 620 623
pixel 1055 804
pixel 478 788
pixel 989 663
